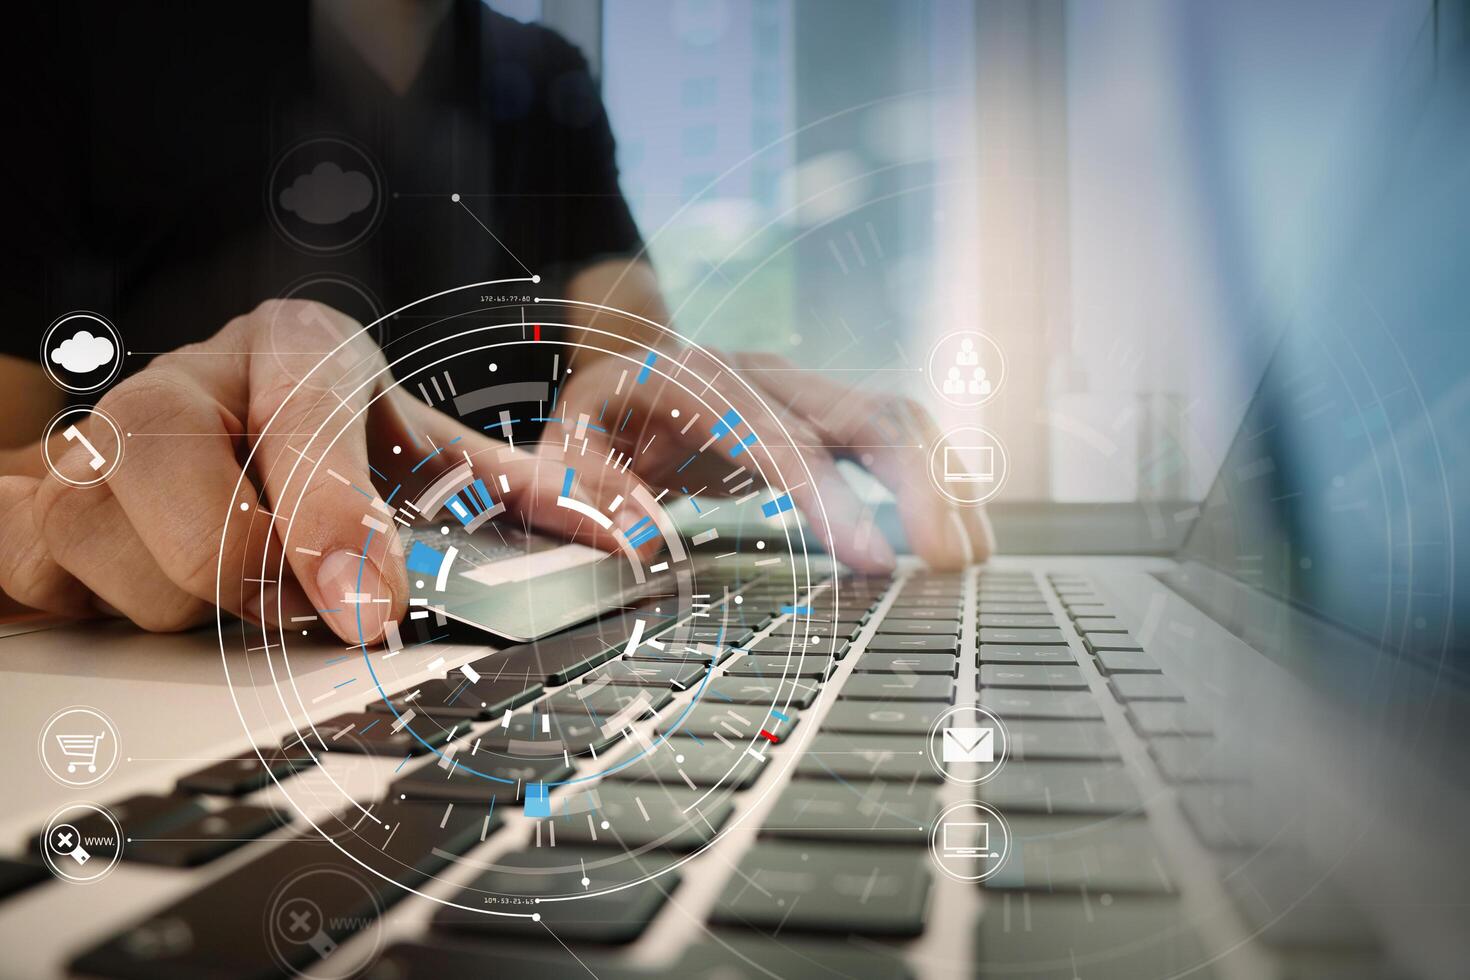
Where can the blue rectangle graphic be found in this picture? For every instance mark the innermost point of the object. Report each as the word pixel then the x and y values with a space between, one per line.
pixel 774 507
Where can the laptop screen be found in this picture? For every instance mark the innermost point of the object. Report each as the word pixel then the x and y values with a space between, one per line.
pixel 1350 475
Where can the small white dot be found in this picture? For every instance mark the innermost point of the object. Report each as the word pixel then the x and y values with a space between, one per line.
pixel 679 759
pixel 244 505
pixel 760 546
pixel 403 796
pixel 535 278
pixel 454 198
pixel 418 583
pixel 586 881
pixel 674 412
pixel 397 450
pixel 569 370
pixel 305 633
pixel 605 825
pixel 494 367
pixel 535 916
pixel 444 530
pixel 740 599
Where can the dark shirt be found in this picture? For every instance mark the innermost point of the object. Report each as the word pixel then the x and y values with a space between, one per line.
pixel 163 167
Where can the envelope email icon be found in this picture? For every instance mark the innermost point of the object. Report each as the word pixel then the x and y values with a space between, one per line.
pixel 969 745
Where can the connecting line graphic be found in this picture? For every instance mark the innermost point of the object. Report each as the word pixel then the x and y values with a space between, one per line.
pixel 456 199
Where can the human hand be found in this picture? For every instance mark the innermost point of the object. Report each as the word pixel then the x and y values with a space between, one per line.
pixel 150 543
pixel 827 422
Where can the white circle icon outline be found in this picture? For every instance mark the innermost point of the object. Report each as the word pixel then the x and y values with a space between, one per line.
pixel 976 350
pixel 968 744
pixel 70 847
pixel 273 190
pixel 969 456
pixel 91 322
pixel 977 842
pixel 72 435
pixel 81 746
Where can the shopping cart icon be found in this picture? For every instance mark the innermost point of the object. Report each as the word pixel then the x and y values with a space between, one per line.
pixel 80 750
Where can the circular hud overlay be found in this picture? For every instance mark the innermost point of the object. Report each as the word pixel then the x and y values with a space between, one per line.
pixel 481 440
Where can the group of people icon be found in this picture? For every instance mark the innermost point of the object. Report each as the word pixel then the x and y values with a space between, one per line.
pixel 977 384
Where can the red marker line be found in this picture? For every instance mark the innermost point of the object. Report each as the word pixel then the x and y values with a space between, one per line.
pixel 536 332
pixel 769 737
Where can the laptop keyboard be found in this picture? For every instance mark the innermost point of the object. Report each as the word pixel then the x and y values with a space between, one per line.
pixel 842 849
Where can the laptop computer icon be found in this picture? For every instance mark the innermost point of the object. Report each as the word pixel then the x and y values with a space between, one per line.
pixel 965 839
pixel 969 464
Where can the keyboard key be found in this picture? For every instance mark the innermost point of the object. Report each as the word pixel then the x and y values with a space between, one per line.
pixel 246 773
pixel 1074 854
pixel 1062 787
pixel 371 733
pixel 677 652
pixel 1030 637
pixel 1014 621
pixel 1010 704
pixel 775 667
pixel 856 812
pixel 1197 760
pixel 882 757
pixel 1046 740
pixel 639 816
pixel 944 615
pixel 1063 677
pixel 618 916
pixel 906 663
pixel 911 718
pixel 694 765
pixel 554 660
pixel 1059 937
pixel 479 778
pixel 728 958
pixel 1145 687
pixel 736 722
pixel 893 687
pixel 1151 718
pixel 601 701
pixel 803 887
pixel 681 635
pixel 639 673
pixel 202 935
pixel 896 626
pixel 17 876
pixel 540 733
pixel 1126 662
pixel 206 837
pixel 731 958
pixel 784 647
pixel 923 600
pixel 756 690
pixel 1097 642
pixel 1003 653
pixel 1098 624
pixel 1015 609
pixel 456 697
pixel 885 642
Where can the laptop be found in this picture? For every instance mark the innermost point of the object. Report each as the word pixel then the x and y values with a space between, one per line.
pixel 1232 749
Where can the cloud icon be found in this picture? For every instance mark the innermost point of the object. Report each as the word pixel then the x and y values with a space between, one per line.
pixel 82 352
pixel 328 194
